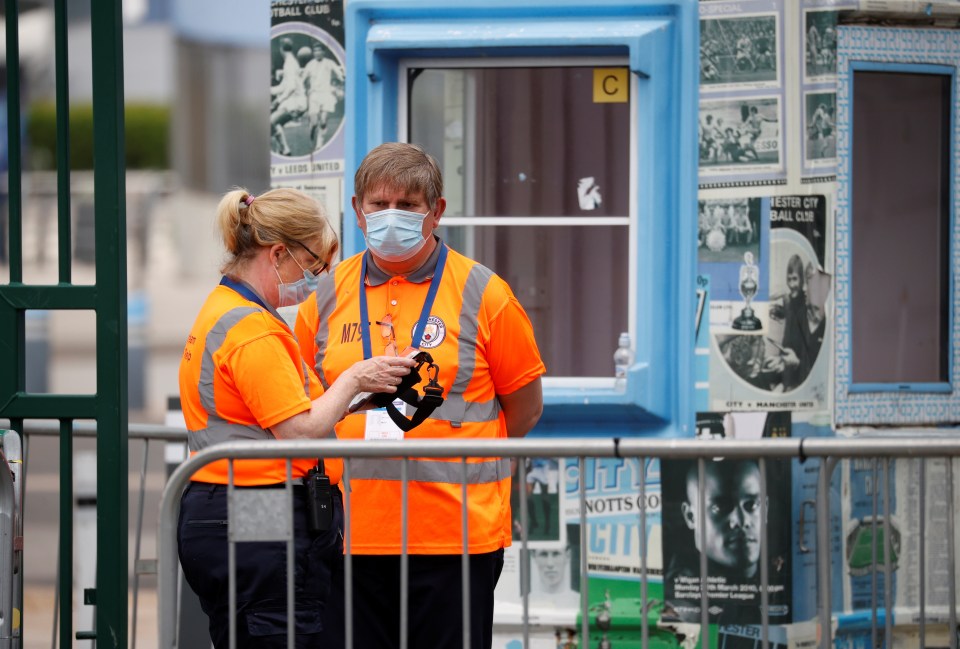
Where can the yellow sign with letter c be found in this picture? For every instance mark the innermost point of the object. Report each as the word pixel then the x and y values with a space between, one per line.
pixel 611 86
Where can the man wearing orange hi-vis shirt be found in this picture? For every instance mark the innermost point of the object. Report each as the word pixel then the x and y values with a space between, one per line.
pixel 407 292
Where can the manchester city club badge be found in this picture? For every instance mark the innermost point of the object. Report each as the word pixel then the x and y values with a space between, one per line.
pixel 433 333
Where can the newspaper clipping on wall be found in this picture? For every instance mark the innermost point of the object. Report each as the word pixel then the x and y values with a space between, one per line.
pixel 731 513
pixel 871 538
pixel 741 132
pixel 768 310
pixel 817 22
pixel 306 99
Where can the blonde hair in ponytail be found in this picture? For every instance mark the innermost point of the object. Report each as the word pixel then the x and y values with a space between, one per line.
pixel 247 223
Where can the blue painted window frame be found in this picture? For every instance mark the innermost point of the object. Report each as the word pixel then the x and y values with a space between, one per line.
pixel 913 51
pixel 660 40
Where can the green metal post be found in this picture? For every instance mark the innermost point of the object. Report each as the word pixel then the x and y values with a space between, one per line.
pixel 64 238
pixel 111 266
pixel 12 327
pixel 108 298
pixel 65 568
pixel 65 573
pixel 14 168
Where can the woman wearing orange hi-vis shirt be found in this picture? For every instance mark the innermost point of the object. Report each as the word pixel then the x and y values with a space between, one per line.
pixel 242 378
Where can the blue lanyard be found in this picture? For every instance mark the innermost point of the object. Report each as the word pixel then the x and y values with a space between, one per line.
pixel 248 293
pixel 424 313
pixel 243 290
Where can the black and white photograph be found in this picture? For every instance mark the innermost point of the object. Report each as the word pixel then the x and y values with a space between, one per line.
pixel 781 358
pixel 306 94
pixel 779 364
pixel 798 293
pixel 820 135
pixel 307 83
pixel 732 529
pixel 548 574
pixel 727 228
pixel 740 135
pixel 542 492
pixel 553 572
pixel 748 356
pixel 819 45
pixel 739 51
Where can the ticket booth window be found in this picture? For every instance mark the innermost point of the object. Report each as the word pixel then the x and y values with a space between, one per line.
pixel 536 168
pixel 567 137
pixel 897 361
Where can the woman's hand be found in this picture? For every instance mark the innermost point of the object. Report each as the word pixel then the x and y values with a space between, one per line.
pixel 377 374
pixel 380 373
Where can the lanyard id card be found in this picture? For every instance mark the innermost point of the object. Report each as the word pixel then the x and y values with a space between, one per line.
pixel 380 426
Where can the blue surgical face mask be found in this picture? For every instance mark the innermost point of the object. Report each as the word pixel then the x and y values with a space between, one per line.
pixel 298 291
pixel 395 235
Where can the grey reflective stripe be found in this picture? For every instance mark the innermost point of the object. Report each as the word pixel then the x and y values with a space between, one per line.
pixel 485 472
pixel 223 431
pixel 454 407
pixel 218 429
pixel 326 296
pixel 215 337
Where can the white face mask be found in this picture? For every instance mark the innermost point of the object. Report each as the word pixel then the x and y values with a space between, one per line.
pixel 294 293
pixel 395 235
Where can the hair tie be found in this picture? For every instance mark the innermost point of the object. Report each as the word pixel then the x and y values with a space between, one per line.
pixel 248 200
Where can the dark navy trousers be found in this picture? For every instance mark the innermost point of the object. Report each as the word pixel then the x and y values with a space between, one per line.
pixel 435 601
pixel 261 574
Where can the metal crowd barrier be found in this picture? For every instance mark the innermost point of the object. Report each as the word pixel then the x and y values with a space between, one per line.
pixel 10 538
pixel 148 433
pixel 828 452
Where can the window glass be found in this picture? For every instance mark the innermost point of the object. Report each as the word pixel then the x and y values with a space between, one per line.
pixel 537 179
pixel 900 227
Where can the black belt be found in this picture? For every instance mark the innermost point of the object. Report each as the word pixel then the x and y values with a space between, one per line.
pixel 216 486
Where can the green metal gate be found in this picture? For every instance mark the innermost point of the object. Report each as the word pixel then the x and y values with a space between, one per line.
pixel 107 298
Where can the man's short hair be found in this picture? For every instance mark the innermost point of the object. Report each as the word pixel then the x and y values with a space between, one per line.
pixel 401 166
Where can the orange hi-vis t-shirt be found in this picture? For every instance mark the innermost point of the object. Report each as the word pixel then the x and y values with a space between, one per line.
pixel 241 373
pixel 482 341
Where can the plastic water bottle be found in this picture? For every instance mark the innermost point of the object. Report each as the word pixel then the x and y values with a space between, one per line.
pixel 622 359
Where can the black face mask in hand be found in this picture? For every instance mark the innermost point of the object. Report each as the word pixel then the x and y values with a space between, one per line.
pixel 432 394
pixel 431 400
